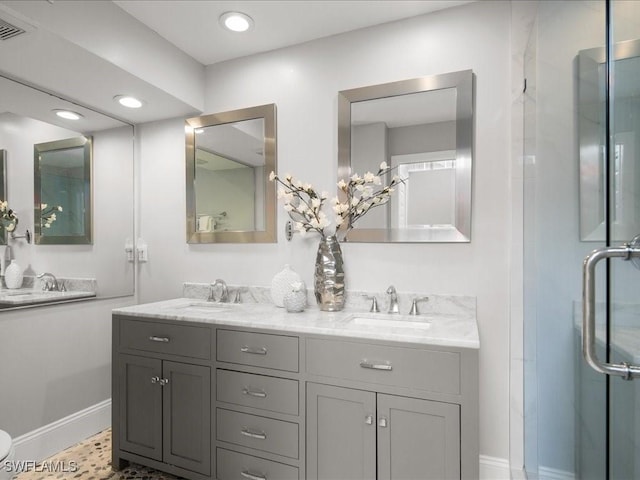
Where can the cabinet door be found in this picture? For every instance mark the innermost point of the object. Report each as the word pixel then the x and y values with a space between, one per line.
pixel 417 439
pixel 341 434
pixel 187 416
pixel 141 406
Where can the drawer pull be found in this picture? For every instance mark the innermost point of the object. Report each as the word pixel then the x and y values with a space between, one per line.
pixel 254 393
pixel 252 476
pixel 254 350
pixel 376 366
pixel 153 338
pixel 251 434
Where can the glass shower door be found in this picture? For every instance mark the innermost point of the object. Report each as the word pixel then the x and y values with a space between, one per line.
pixel 615 350
pixel 624 214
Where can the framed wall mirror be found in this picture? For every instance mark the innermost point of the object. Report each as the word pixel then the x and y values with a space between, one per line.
pixel 423 129
pixel 62 191
pixel 592 143
pixel 229 157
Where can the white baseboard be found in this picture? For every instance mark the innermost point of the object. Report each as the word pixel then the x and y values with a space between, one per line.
pixel 54 437
pixel 546 473
pixel 493 468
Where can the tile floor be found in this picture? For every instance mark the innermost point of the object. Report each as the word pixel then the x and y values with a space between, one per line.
pixel 89 460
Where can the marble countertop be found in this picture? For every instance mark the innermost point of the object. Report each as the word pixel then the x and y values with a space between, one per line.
pixel 448 328
pixel 29 296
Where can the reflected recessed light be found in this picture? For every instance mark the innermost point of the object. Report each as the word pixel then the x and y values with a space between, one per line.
pixel 68 114
pixel 128 101
pixel 236 21
pixel 198 130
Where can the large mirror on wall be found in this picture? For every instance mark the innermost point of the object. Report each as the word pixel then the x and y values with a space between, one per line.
pixel 229 157
pixel 62 190
pixel 71 183
pixel 624 194
pixel 423 129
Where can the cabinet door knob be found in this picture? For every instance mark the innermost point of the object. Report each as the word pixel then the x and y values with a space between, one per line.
pixel 382 422
pixel 155 379
pixel 252 476
pixel 164 381
pixel 368 419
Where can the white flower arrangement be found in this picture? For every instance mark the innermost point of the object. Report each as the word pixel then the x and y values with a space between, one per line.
pixel 8 218
pixel 304 204
pixel 48 214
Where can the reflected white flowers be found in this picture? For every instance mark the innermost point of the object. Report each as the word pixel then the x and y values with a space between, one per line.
pixel 361 194
pixel 8 218
pixel 48 215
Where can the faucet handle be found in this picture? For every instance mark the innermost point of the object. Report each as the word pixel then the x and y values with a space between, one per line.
pixel 374 303
pixel 414 305
pixel 237 298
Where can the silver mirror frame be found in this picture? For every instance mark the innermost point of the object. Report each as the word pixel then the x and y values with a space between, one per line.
pixel 268 235
pixel 591 115
pixel 86 143
pixel 3 189
pixel 462 81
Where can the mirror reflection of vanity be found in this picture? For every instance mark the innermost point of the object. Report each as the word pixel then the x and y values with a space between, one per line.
pixel 229 157
pixel 87 253
pixel 423 129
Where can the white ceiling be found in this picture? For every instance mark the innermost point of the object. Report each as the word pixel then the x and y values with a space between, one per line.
pixel 90 51
pixel 192 25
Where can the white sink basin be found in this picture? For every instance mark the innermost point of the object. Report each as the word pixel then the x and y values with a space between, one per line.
pixel 389 320
pixel 202 307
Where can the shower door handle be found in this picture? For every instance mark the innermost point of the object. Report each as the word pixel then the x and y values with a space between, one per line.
pixel 627 251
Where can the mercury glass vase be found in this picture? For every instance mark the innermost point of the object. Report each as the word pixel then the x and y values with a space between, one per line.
pixel 329 275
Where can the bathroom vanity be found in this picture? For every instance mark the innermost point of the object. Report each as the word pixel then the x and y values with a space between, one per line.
pixel 205 390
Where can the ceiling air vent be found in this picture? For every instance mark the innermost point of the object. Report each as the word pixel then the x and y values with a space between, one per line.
pixel 8 31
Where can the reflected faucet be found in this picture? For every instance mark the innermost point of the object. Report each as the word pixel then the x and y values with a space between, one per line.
pixel 52 286
pixel 224 296
pixel 393 300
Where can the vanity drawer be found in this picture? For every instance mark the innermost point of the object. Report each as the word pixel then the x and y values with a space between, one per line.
pixel 279 352
pixel 183 340
pixel 237 466
pixel 258 391
pixel 261 433
pixel 422 369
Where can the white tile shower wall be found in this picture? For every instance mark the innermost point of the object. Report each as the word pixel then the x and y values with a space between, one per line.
pixel 303 82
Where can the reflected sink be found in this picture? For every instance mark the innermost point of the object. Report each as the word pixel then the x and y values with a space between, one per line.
pixel 389 320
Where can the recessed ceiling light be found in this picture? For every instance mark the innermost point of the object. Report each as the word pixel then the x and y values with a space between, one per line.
pixel 236 21
pixel 68 114
pixel 199 130
pixel 128 101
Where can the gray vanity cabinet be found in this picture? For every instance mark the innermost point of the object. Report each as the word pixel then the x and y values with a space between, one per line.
pixel 162 407
pixel 348 430
pixel 341 433
pixel 166 411
pixel 390 411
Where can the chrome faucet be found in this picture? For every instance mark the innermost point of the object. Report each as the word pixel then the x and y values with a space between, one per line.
pixel 393 300
pixel 224 296
pixel 52 286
